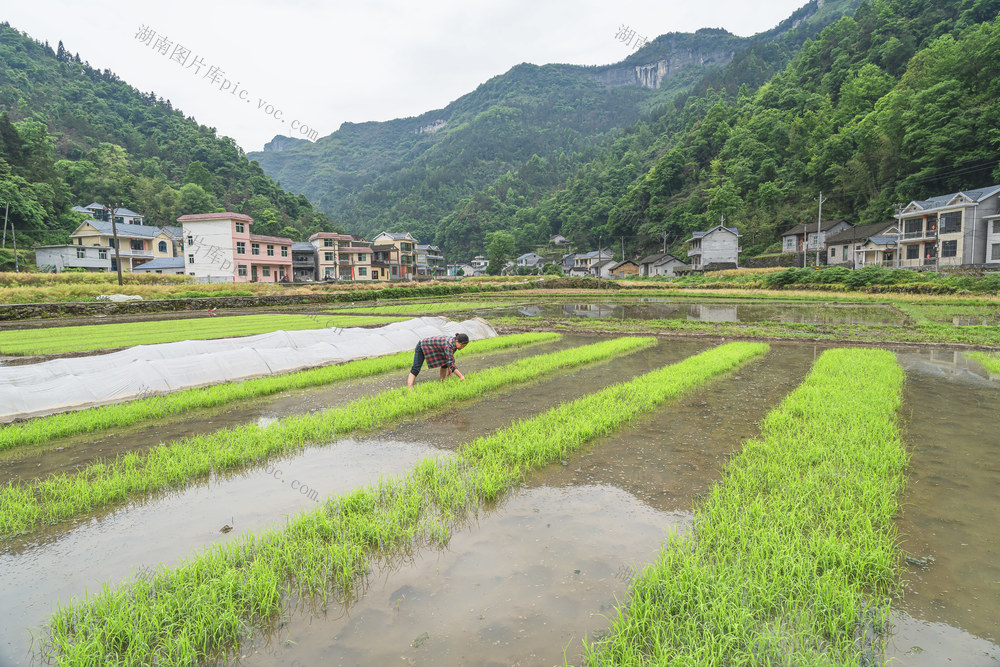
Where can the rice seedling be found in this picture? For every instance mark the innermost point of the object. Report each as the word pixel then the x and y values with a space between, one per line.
pixel 991 362
pixel 791 558
pixel 55 340
pixel 26 504
pixel 201 609
pixel 120 415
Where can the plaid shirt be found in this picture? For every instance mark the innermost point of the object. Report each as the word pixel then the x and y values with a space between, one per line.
pixel 439 351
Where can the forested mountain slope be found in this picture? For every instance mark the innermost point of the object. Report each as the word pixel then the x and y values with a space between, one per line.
pixel 895 103
pixel 453 175
pixel 70 133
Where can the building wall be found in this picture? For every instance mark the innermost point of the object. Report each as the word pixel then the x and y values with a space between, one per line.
pixel 719 247
pixel 667 268
pixel 66 257
pixel 209 250
pixel 993 242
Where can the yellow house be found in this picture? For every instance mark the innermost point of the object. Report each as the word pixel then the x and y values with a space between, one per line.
pixel 137 244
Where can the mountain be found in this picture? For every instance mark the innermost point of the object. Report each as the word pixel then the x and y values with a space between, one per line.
pixel 70 134
pixel 418 174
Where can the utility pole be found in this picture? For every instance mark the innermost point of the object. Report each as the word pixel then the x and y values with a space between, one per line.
pixel 664 243
pixel 819 225
pixel 599 263
pixel 6 210
pixel 623 248
pixel 14 235
pixel 112 209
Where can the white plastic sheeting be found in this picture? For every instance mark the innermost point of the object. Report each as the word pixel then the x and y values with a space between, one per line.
pixel 69 384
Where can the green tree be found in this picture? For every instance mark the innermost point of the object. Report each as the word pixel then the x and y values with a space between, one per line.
pixel 499 249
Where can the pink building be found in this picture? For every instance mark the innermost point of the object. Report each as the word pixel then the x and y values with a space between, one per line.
pixel 219 246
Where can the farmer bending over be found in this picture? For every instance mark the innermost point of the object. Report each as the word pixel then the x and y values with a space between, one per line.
pixel 438 351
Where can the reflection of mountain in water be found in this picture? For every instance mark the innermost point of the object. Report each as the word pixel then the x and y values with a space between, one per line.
pixel 724 312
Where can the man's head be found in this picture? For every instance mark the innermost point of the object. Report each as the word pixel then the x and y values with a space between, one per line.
pixel 461 340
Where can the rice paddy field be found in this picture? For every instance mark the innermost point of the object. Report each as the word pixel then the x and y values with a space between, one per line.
pixel 585 497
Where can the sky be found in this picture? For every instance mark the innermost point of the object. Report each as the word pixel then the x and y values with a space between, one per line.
pixel 253 69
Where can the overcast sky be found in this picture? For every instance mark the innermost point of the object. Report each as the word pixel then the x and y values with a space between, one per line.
pixel 314 64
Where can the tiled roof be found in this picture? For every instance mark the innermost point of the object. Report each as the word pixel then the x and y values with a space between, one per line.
pixel 975 195
pixel 271 239
pixel 173 232
pixel 667 257
pixel 162 263
pixel 126 231
pixel 331 235
pixel 302 246
pixel 227 215
pixel 649 259
pixel 810 227
pixel 860 232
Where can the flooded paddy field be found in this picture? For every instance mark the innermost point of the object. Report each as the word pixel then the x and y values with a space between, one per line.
pixel 532 574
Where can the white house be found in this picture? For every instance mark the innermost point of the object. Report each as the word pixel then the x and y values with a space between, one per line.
pixel 718 245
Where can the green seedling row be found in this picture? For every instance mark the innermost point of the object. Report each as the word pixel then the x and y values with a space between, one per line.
pixel 201 609
pixel 991 362
pixel 24 505
pixel 58 340
pixel 120 415
pixel 792 558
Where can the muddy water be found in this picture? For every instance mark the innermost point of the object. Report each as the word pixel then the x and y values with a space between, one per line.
pixel 64 455
pixel 653 308
pixel 951 606
pixel 59 564
pixel 548 566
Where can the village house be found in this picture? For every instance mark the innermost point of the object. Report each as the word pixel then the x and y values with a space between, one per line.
pixel 957 229
pixel 99 212
pixel 798 237
pixel 660 264
pixel 396 253
pixel 862 245
pixel 583 264
pixel 219 247
pixel 716 246
pixel 168 265
pixel 305 262
pixel 624 269
pixel 530 260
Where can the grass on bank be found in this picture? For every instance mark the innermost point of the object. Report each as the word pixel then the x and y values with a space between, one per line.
pixel 792 557
pixel 991 362
pixel 84 338
pixel 24 505
pixel 929 332
pixel 201 609
pixel 426 308
pixel 43 429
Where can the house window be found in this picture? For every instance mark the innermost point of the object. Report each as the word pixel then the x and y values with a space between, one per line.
pixel 190 240
pixel 327 243
pixel 254 248
pixel 812 240
pixel 914 228
pixel 362 257
pixel 241 248
pixel 949 248
pixel 239 227
pixel 137 245
pixel 80 253
pixel 789 243
pixel 845 253
pixel 951 223
pixel 284 251
pixel 995 252
pixel 362 271
pixel 102 253
pixel 267 271
pixel 930 250
pixel 327 256
pixel 270 250
pixel 913 251
pixel 833 253
pixel 241 270
pixel 162 246
pixel 190 259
